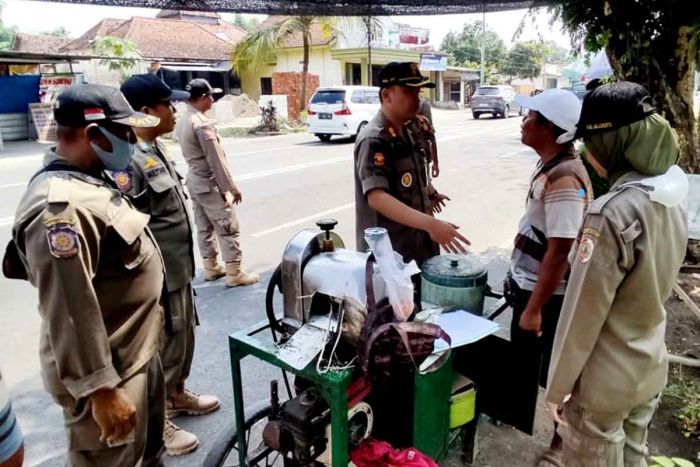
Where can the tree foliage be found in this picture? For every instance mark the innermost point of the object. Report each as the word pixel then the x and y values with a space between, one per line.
pixel 249 23
pixel 525 59
pixel 6 33
pixel 464 48
pixel 119 54
pixel 652 42
pixel 60 31
pixel 258 48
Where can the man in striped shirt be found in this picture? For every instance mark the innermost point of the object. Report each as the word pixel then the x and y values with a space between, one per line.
pixel 560 191
pixel 11 444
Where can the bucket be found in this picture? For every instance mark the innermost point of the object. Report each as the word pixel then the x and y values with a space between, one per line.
pixel 454 281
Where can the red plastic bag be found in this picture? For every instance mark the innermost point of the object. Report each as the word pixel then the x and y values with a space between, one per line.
pixel 373 453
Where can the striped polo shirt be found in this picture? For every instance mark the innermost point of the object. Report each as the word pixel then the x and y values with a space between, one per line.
pixel 560 192
pixel 10 434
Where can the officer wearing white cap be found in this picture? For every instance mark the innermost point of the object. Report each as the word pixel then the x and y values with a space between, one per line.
pixel 155 188
pixel 99 274
pixel 214 193
pixel 559 194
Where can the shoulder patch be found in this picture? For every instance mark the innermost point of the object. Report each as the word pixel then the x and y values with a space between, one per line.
pixel 209 133
pixel 123 180
pixel 585 248
pixel 63 241
pixel 379 159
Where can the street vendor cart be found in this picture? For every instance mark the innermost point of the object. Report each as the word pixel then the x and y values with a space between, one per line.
pixel 330 406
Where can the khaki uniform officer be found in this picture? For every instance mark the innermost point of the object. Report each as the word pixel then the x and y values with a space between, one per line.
pixel 156 189
pixel 609 351
pixel 213 190
pixel 99 274
pixel 392 188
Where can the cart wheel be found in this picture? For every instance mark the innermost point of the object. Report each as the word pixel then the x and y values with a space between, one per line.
pixel 224 453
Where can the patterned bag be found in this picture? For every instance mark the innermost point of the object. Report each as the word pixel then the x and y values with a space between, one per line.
pixel 387 345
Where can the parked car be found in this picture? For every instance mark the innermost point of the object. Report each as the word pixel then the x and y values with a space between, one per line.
pixel 341 110
pixel 497 100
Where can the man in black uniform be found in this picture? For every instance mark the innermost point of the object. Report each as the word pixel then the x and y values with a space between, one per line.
pixel 156 189
pixel 392 184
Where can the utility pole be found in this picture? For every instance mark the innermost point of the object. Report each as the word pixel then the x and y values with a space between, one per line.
pixel 483 45
pixel 368 27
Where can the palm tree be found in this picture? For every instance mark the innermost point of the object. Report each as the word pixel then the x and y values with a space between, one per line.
pixel 256 50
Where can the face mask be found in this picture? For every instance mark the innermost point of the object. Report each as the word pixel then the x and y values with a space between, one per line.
pixel 121 154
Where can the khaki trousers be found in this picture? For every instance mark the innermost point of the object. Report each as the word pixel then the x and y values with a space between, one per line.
pixel 144 446
pixel 601 440
pixel 216 219
pixel 177 349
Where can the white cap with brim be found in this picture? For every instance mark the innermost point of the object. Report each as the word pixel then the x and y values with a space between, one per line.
pixel 559 106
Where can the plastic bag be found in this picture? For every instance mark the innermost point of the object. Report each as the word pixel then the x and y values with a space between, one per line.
pixel 373 453
pixel 395 273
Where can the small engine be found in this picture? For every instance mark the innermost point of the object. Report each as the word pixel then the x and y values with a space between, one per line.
pixel 299 426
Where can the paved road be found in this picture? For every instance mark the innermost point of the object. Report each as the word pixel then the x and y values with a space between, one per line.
pixel 287 182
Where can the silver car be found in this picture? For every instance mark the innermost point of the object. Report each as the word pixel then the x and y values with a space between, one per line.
pixel 497 100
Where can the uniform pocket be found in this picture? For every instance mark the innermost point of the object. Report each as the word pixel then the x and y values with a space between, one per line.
pixel 130 225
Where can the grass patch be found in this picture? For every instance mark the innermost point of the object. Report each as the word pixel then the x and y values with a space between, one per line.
pixel 686 389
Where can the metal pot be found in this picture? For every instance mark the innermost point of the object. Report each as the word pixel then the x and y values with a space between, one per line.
pixel 454 281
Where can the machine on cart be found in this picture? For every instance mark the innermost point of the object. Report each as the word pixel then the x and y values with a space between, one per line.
pixel 328 408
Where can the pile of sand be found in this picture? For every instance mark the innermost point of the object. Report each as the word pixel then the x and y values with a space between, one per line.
pixel 242 106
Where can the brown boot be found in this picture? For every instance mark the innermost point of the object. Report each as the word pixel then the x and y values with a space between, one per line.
pixel 191 403
pixel 212 269
pixel 235 276
pixel 178 441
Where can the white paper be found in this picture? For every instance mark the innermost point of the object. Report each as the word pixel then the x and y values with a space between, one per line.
pixel 463 328
pixel 302 347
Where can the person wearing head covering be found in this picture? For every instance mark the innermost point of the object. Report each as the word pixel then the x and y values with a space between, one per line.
pixel 559 194
pixel 99 276
pixel 214 193
pixel 392 183
pixel 155 187
pixel 609 361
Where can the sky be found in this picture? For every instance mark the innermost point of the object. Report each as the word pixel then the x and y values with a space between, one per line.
pixel 34 17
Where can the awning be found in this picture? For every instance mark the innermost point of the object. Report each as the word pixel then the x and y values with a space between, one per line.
pixel 26 58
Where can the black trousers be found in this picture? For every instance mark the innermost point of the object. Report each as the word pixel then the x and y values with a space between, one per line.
pixel 527 343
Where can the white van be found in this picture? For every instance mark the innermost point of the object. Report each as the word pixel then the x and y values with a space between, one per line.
pixel 341 110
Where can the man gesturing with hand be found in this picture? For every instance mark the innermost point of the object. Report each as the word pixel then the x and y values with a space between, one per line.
pixel 392 183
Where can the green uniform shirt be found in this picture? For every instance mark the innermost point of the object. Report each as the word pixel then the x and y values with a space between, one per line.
pixel 155 188
pixel 399 165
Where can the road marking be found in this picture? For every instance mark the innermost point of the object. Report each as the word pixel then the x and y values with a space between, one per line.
pixel 303 220
pixel 291 168
pixel 465 133
pixel 5 221
pixel 251 153
pixel 13 185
